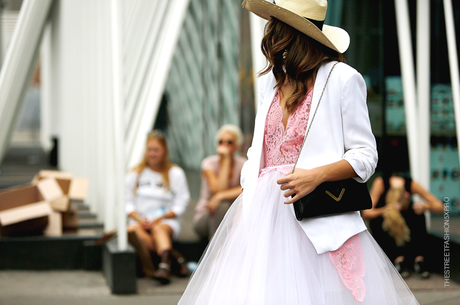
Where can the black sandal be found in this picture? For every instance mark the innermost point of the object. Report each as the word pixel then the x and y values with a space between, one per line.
pixel 163 274
pixel 180 267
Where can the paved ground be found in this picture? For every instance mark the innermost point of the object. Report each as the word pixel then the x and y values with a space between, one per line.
pixel 83 287
pixel 79 287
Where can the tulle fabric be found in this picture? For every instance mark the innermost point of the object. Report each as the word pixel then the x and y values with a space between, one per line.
pixel 260 255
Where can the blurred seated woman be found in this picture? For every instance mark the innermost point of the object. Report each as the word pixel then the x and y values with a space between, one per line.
pixel 398 224
pixel 220 181
pixel 157 195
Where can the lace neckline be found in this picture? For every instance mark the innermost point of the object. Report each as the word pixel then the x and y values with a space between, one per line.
pixel 278 96
pixel 282 143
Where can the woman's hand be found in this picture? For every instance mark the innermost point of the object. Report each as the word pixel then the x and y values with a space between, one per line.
pixel 223 150
pixel 143 222
pixel 155 221
pixel 301 183
pixel 419 208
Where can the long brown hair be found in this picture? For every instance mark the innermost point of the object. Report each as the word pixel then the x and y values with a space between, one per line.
pixel 165 166
pixel 293 57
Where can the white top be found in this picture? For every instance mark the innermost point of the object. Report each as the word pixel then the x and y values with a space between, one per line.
pixel 152 199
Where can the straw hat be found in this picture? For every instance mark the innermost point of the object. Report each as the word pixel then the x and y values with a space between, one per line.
pixel 307 16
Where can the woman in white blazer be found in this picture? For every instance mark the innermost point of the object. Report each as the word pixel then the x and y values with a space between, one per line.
pixel 261 254
pixel 341 131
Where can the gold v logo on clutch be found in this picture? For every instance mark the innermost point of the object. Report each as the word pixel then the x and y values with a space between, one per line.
pixel 336 198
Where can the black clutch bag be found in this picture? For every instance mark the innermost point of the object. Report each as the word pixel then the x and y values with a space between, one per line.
pixel 332 198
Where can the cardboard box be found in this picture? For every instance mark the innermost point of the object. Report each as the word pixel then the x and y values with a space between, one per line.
pixel 51 192
pixel 70 218
pixel 25 210
pixel 54 227
pixel 73 187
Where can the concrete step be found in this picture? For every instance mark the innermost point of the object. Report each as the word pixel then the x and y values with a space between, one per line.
pixel 87 215
pixel 84 223
pixel 82 207
pixel 66 252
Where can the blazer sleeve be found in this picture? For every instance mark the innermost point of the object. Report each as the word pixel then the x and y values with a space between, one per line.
pixel 359 141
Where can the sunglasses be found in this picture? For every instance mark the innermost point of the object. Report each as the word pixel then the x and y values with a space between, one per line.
pixel 230 142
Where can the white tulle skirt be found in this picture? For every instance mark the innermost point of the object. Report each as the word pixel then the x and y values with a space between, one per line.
pixel 261 255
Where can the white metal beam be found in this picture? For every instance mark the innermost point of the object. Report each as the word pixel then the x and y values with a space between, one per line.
pixel 138 50
pixel 118 123
pixel 423 94
pixel 155 79
pixel 19 64
pixel 138 67
pixel 46 109
pixel 408 81
pixel 423 89
pixel 453 62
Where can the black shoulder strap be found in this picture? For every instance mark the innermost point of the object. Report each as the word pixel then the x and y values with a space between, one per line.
pixel 314 114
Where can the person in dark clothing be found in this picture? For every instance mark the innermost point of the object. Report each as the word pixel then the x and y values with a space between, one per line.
pixel 401 246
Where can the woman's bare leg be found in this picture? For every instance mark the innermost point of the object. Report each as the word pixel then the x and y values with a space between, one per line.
pixel 162 235
pixel 143 244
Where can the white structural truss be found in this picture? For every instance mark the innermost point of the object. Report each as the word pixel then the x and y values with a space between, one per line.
pixel 408 82
pixel 423 91
pixel 18 65
pixel 417 90
pixel 104 66
pixel 453 62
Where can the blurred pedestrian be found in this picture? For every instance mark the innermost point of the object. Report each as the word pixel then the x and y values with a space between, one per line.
pixel 398 224
pixel 220 181
pixel 157 195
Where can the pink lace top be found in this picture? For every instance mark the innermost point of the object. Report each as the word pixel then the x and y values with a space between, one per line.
pixel 282 145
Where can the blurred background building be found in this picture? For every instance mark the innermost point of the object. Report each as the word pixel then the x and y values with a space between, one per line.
pixel 98 75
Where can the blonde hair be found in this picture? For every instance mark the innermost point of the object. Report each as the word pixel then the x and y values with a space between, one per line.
pixel 234 130
pixel 393 221
pixel 165 166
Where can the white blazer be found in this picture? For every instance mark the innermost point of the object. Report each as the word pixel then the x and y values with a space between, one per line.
pixel 341 130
